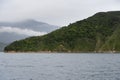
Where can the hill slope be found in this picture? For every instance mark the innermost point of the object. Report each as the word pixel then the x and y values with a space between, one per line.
pixel 98 33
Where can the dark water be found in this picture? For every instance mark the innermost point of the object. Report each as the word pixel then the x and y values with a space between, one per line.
pixel 59 66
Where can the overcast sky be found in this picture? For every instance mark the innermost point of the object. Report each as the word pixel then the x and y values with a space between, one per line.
pixel 56 12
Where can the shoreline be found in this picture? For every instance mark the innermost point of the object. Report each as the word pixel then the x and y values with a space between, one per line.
pixel 78 52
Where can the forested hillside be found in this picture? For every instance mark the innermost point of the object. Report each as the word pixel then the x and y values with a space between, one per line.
pixel 98 33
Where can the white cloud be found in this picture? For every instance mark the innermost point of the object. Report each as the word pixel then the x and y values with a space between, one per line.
pixel 58 12
pixel 27 32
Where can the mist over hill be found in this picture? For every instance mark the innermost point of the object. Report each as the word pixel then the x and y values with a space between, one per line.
pixel 2 45
pixel 11 31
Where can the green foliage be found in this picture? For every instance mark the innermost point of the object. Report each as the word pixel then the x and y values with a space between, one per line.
pixel 113 43
pixel 97 33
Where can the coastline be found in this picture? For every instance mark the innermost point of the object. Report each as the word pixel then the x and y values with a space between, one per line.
pixel 79 52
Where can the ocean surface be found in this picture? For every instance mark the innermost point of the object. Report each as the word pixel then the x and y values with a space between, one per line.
pixel 59 66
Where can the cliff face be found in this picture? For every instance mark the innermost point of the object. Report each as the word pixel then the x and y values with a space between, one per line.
pixel 98 33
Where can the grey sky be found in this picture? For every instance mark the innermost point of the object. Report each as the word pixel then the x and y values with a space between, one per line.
pixel 57 12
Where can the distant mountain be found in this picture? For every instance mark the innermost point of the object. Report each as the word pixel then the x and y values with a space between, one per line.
pixel 11 31
pixel 98 33
pixel 2 45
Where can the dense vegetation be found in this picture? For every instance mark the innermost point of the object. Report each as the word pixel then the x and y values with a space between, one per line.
pixel 98 33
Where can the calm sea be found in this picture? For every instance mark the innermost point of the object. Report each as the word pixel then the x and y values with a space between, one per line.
pixel 59 66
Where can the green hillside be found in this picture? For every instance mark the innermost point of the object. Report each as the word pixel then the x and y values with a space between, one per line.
pixel 98 33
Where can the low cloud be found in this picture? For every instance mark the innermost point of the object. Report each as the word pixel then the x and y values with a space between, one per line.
pixel 27 32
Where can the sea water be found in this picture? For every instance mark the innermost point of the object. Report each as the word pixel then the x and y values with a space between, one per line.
pixel 59 66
